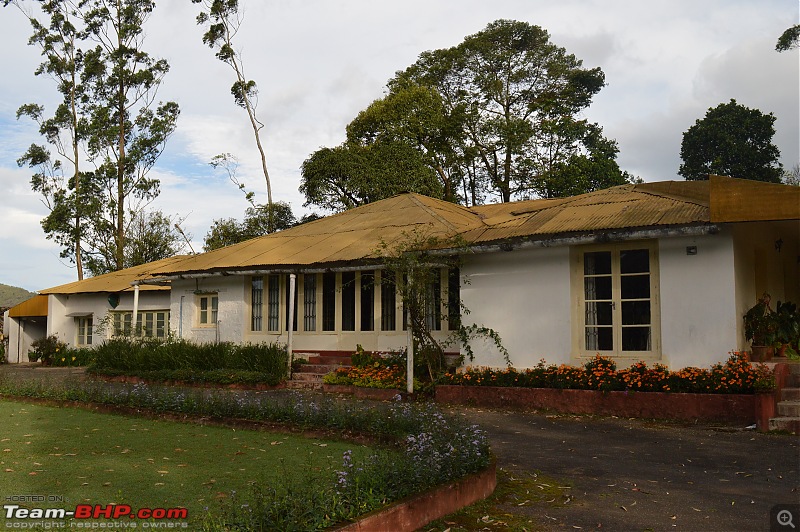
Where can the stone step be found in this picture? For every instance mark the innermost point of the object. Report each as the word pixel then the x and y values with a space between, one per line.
pixel 308 377
pixel 786 424
pixel 793 379
pixel 317 368
pixel 789 409
pixel 330 360
pixel 790 394
pixel 303 385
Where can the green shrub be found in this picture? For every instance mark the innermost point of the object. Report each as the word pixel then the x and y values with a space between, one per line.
pixel 73 356
pixel 47 349
pixel 173 359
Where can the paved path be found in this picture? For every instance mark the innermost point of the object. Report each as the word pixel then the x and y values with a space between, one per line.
pixel 634 475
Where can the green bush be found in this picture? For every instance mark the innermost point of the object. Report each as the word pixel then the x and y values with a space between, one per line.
pixel 47 349
pixel 73 356
pixel 181 360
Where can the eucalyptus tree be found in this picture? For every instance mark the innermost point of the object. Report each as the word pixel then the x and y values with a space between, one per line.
pixel 222 20
pixel 127 130
pixel 58 179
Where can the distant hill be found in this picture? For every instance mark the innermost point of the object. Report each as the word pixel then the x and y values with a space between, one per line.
pixel 11 295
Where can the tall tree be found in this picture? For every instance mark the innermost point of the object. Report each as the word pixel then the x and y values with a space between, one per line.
pixel 127 131
pixel 517 97
pixel 152 236
pixel 789 39
pixel 222 20
pixel 228 231
pixel 731 140
pixel 352 174
pixel 63 61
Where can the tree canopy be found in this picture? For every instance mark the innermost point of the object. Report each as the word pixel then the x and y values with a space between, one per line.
pixel 789 39
pixel 228 231
pixel 731 140
pixel 496 117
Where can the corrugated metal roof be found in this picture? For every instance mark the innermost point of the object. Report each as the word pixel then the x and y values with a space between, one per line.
pixel 119 281
pixel 354 236
pixel 752 201
pixel 30 308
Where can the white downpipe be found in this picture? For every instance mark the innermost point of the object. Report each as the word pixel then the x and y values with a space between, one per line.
pixel 135 308
pixel 289 333
pixel 409 351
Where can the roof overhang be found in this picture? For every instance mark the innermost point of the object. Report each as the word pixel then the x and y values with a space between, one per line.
pixel 742 200
pixel 35 307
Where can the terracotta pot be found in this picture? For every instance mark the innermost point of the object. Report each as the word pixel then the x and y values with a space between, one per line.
pixel 761 353
pixel 781 352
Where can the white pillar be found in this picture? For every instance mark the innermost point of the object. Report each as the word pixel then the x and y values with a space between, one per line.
pixel 135 308
pixel 289 335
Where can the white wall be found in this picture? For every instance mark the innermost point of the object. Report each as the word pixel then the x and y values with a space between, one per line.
pixel 21 333
pixel 524 295
pixel 698 300
pixel 231 312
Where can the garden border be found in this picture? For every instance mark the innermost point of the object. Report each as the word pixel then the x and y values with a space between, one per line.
pixel 416 511
pixel 727 408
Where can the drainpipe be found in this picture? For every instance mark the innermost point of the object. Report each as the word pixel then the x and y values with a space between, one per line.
pixel 289 335
pixel 409 351
pixel 135 307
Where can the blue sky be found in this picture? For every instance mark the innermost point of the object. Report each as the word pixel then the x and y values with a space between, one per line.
pixel 319 62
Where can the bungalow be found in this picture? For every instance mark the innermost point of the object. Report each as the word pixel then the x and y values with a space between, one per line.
pixel 661 272
pixel 83 312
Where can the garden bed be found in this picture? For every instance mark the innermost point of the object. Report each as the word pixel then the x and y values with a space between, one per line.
pixel 726 408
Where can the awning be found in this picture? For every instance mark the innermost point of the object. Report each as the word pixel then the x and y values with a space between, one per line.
pixel 31 308
pixel 78 314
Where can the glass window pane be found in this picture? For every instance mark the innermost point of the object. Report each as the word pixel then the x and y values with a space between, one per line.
pixel 433 302
pixel 597 263
pixel 597 288
pixel 328 301
pixel 348 301
pixel 453 299
pixel 273 303
pixel 367 301
pixel 634 261
pixel 599 339
pixel 256 303
pixel 598 313
pixel 636 339
pixel 635 287
pixel 388 303
pixel 310 302
pixel 636 312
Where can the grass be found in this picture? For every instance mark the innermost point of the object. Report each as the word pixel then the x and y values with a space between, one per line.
pixel 89 457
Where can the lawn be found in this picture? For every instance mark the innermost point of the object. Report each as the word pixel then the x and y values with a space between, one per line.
pixel 93 458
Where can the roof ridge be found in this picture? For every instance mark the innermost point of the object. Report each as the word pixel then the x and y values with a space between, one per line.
pixel 439 217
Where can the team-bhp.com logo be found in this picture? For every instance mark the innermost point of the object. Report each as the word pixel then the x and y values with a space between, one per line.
pixel 94 511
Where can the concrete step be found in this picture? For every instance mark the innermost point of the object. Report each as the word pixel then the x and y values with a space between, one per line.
pixel 793 379
pixel 790 394
pixel 786 424
pixel 304 385
pixel 789 409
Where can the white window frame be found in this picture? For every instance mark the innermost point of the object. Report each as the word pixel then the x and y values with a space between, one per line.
pixel 84 333
pixel 208 316
pixel 579 303
pixel 121 322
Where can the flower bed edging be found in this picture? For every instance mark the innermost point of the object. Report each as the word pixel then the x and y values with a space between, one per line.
pixel 417 511
pixel 359 392
pixel 728 408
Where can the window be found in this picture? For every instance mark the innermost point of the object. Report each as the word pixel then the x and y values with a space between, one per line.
pixel 208 306
pixel 618 300
pixel 329 301
pixel 388 302
pixel 310 302
pixel 256 303
pixel 348 301
pixel 149 324
pixel 273 302
pixel 84 326
pixel 367 301
pixel 433 302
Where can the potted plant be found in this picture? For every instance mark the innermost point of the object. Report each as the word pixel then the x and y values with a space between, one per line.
pixel 760 327
pixel 787 334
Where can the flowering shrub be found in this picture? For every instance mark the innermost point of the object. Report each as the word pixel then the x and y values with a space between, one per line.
pixel 46 349
pixel 72 357
pixel 378 375
pixel 736 375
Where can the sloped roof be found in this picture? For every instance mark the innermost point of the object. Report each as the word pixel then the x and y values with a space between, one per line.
pixel 750 201
pixel 352 235
pixel 118 281
pixel 30 308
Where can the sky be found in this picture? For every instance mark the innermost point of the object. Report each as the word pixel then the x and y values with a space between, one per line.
pixel 318 63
